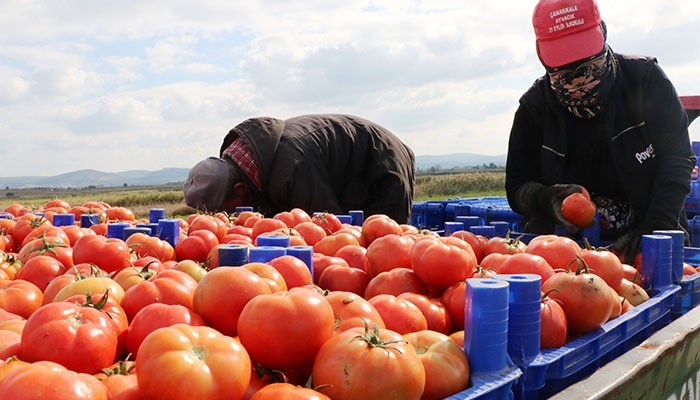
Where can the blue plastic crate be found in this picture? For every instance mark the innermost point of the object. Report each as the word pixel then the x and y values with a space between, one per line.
pixel 555 369
pixel 490 387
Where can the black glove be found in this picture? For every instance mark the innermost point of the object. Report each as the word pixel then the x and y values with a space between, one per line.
pixel 630 244
pixel 549 201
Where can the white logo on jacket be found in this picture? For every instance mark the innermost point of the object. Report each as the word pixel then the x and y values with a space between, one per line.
pixel 646 154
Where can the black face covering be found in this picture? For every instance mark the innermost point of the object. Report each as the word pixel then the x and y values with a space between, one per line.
pixel 582 87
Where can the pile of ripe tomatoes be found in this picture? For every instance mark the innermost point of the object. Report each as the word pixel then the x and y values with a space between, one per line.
pixel 85 316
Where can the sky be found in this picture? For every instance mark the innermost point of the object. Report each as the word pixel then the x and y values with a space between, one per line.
pixel 116 86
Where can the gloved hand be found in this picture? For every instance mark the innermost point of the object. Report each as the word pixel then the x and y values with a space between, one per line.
pixel 630 244
pixel 549 200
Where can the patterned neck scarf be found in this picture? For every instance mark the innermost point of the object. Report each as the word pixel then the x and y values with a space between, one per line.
pixel 582 87
pixel 240 153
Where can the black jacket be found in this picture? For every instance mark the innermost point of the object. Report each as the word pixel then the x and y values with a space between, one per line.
pixel 333 163
pixel 645 142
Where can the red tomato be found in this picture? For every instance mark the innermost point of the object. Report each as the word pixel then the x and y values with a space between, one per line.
pixel 168 287
pixel 445 363
pixel 26 224
pixel 294 271
pixel 506 245
pixel 578 209
pixel 223 292
pixel 311 232
pixel 352 311
pixel 121 382
pixel 559 251
pixel 584 297
pixel 302 315
pixel 265 225
pixel 144 245
pixel 47 246
pixel 454 299
pixel 347 366
pixel 109 254
pixel 46 230
pixel 605 264
pixel 377 226
pixel 158 315
pixel 440 264
pixel 328 221
pixel 49 380
pixel 10 338
pixel 553 325
pixel 293 217
pixel 75 232
pixel 40 270
pixel 388 252
pixel 111 308
pixel 354 255
pixel 20 297
pixel 434 311
pixel 477 242
pixel 201 363
pixel 269 275
pixel 321 262
pixel 395 282
pixel 631 274
pixel 339 277
pixel 85 347
pixel 399 315
pixel 120 214
pixel 287 391
pixel 330 244
pixel 210 223
pixel 526 263
pixel 688 269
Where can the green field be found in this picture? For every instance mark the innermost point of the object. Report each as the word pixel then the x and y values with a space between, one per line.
pixel 170 197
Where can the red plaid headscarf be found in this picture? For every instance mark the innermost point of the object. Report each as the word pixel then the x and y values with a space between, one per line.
pixel 240 153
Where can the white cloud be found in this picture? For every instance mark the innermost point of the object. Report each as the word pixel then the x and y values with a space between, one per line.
pixel 114 86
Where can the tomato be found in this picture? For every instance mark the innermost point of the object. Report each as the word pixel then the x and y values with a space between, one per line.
pixel 48 246
pixel 191 268
pixel 399 315
pixel 121 381
pixel 330 244
pixel 109 254
pixel 158 315
pixel 339 277
pixel 328 221
pixel 631 274
pixel 348 366
pixel 527 263
pixel 311 232
pixel 559 251
pixel 287 391
pixel 354 255
pixel 477 242
pixel 168 287
pixel 352 311
pixel 578 209
pixel 293 217
pixel 301 315
pixel 294 271
pixel 269 275
pixel 454 299
pixel 57 203
pixel 388 252
pixel 617 304
pixel 20 297
pixel 77 272
pixel 130 276
pixel 98 285
pixel 223 292
pixel 143 245
pixel 321 262
pixel 75 232
pixel 201 363
pixel 441 263
pixel 632 292
pixel 214 225
pixel 40 270
pixel 10 338
pixel 82 339
pixel 26 224
pixel 553 325
pixel 688 269
pixel 584 297
pixel 605 264
pixel 506 245
pixel 395 282
pixel 49 380
pixel 445 363
pixel 46 230
pixel 433 310
pixel 379 225
pixel 265 225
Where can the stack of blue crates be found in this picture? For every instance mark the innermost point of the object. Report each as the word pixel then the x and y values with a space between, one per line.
pixel 433 214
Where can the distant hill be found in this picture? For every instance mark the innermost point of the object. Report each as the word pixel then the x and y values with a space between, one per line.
pixel 90 177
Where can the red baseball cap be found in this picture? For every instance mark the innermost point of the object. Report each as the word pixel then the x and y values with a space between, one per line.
pixel 567 31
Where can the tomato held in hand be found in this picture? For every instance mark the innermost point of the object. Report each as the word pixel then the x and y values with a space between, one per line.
pixel 578 209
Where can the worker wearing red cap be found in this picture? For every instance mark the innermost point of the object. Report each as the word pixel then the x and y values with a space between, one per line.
pixel 609 122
